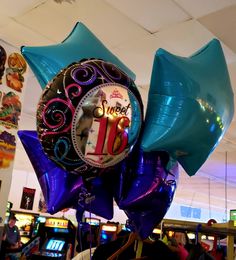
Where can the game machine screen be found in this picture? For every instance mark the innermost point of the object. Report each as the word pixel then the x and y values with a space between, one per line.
pixel 87 235
pixel 233 216
pixel 58 239
pixel 55 244
pixel 25 223
pixel 125 228
pixel 93 221
pixel 108 232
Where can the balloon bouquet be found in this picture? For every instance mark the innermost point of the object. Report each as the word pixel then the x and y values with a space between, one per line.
pixel 92 143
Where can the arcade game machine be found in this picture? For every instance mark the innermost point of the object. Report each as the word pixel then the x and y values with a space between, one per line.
pixel 87 235
pixel 57 239
pixel 156 234
pixel 25 222
pixel 40 220
pixel 108 232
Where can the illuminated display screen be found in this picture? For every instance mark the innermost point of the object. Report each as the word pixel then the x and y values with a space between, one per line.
pixel 56 223
pixel 191 235
pixel 107 236
pixel 61 230
pixel 24 240
pixel 41 219
pixel 55 245
pixel 123 227
pixel 156 231
pixel 93 221
pixel 24 223
pixel 109 228
pixel 24 219
pixel 233 215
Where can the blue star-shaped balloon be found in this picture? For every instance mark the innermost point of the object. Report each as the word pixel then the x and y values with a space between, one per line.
pixel 47 61
pixel 190 105
pixel 64 190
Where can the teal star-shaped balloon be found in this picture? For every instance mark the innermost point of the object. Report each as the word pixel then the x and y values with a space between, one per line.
pixel 47 61
pixel 190 105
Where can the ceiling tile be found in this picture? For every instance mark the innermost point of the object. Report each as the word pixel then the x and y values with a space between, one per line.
pixel 152 15
pixel 225 30
pixel 18 35
pixel 14 8
pixel 203 7
pixel 59 23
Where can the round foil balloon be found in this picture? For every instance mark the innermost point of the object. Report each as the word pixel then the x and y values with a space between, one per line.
pixel 89 116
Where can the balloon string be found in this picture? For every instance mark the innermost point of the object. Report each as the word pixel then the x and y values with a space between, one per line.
pixel 209 196
pixel 226 180
pixel 80 236
pixel 90 232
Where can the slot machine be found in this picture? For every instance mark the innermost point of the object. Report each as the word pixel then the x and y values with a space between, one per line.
pixel 57 239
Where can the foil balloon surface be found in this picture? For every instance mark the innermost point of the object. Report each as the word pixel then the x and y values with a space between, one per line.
pixel 47 61
pixel 190 105
pixel 64 190
pixel 89 116
pixel 147 185
pixel 91 143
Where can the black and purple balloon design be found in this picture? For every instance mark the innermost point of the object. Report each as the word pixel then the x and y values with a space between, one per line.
pixel 90 115
pixel 92 144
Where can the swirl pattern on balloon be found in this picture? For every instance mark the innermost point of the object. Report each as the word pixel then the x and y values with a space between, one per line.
pixel 90 115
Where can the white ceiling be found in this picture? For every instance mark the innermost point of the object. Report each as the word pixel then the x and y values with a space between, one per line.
pixel 133 30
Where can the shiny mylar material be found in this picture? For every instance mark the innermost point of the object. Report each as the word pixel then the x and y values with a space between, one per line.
pixel 190 105
pixel 64 190
pixel 146 189
pixel 89 120
pixel 47 61
pixel 90 115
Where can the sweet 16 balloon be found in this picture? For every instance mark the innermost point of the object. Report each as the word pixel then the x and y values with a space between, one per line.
pixel 90 126
pixel 190 105
pixel 90 115
pixel 47 61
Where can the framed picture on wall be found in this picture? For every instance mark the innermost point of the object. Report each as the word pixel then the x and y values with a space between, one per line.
pixel 27 199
